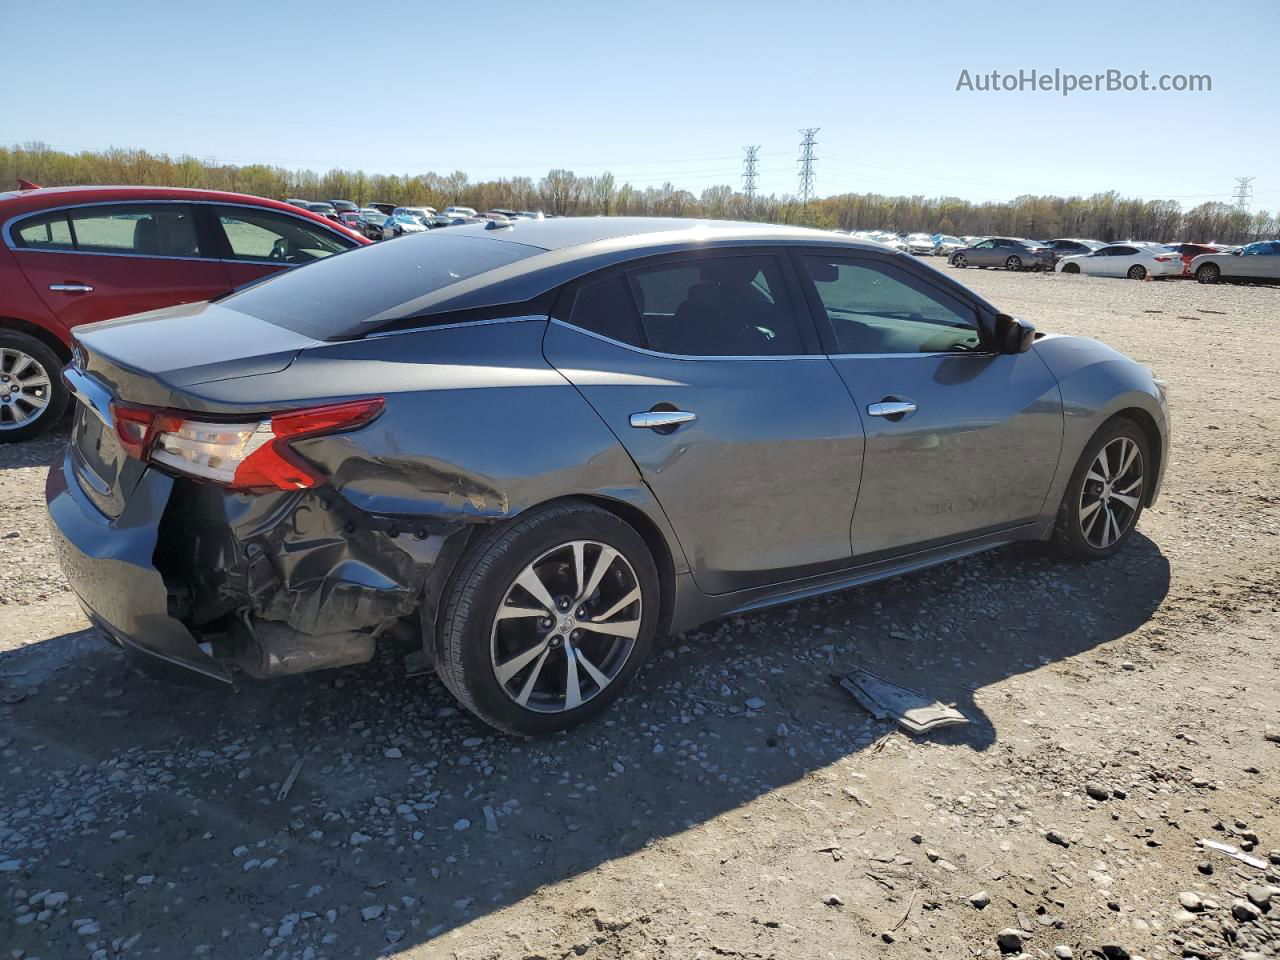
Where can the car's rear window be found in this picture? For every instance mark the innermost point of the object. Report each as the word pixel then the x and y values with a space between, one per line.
pixel 332 299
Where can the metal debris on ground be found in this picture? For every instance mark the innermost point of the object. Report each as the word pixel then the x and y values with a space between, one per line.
pixel 910 709
pixel 290 780
pixel 1235 853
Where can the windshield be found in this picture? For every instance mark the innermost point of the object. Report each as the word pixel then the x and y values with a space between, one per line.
pixel 333 298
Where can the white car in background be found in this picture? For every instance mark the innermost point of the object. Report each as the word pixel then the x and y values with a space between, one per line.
pixel 945 246
pixel 1257 262
pixel 921 244
pixel 1135 260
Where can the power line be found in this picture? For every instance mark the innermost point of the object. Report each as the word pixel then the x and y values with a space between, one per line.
pixel 807 160
pixel 749 173
pixel 1244 190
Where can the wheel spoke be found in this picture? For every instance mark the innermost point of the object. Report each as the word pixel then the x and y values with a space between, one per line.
pixel 601 680
pixel 579 565
pixel 1130 502
pixel 1108 537
pixel 603 562
pixel 572 689
pixel 1102 465
pixel 530 580
pixel 523 697
pixel 507 612
pixel 618 607
pixel 1130 488
pixel 509 668
pixel 1092 524
pixel 1127 454
pixel 1087 512
pixel 620 628
pixel 35 401
pixel 34 382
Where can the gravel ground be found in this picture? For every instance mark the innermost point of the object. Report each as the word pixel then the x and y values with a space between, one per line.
pixel 735 803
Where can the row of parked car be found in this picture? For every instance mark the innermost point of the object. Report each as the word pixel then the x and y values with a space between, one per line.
pixel 1135 259
pixel 383 221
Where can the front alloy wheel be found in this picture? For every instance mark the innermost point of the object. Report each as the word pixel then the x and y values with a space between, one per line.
pixel 1104 497
pixel 960 260
pixel 1013 263
pixel 1209 273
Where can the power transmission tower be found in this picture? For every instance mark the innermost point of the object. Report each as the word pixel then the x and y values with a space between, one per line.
pixel 1244 191
pixel 807 160
pixel 749 174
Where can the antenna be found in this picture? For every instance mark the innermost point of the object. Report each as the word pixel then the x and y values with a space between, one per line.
pixel 807 160
pixel 1244 190
pixel 749 174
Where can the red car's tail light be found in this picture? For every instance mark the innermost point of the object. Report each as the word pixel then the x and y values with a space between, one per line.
pixel 242 456
pixel 1166 259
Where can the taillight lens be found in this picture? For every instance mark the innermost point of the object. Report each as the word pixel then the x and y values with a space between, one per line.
pixel 241 456
pixel 1167 259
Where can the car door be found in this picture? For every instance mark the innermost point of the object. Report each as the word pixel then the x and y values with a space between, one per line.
pixel 106 260
pixel 707 370
pixel 1258 260
pixel 257 241
pixel 984 254
pixel 961 441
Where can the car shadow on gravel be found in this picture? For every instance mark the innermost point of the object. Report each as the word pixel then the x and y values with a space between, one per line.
pixel 407 819
pixel 39 452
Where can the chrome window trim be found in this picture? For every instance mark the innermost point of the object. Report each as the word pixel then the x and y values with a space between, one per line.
pixel 492 321
pixel 7 229
pixel 680 356
pixel 801 356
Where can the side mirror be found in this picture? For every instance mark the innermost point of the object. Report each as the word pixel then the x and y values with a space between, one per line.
pixel 1013 335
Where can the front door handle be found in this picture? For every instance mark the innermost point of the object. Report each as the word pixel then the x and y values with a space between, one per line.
pixel 661 419
pixel 891 408
pixel 71 287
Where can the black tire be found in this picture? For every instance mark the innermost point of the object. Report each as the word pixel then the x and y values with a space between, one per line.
pixel 1013 263
pixel 1071 268
pixel 57 393
pixel 1137 272
pixel 1209 273
pixel 960 261
pixel 487 571
pixel 1069 533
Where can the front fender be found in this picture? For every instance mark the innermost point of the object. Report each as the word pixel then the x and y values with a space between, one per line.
pixel 1097 383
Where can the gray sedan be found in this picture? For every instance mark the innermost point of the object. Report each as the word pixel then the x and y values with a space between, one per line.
pixel 1257 263
pixel 1011 253
pixel 534 446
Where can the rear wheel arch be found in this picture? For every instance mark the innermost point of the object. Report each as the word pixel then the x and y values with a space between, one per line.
pixel 43 334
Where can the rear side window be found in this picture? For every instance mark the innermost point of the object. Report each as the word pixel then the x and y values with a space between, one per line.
pixel 48 231
pixel 149 229
pixel 145 229
pixel 338 297
pixel 277 237
pixel 604 307
pixel 717 306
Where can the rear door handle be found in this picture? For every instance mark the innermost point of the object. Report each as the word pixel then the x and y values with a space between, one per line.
pixel 661 419
pixel 891 408
pixel 71 287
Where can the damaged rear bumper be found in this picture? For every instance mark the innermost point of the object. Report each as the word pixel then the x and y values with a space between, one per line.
pixel 280 582
pixel 108 564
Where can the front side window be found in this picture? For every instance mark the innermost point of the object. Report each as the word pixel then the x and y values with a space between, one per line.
pixel 879 308
pixel 276 237
pixel 985 245
pixel 716 306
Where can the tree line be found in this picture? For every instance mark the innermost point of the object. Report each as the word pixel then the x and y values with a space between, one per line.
pixel 1103 216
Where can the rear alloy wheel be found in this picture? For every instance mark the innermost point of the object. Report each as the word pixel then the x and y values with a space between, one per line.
pixel 1104 497
pixel 1137 272
pixel 1209 273
pixel 959 260
pixel 32 394
pixel 1013 263
pixel 548 618
pixel 1071 268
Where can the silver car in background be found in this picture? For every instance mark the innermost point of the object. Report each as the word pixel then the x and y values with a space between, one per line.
pixel 536 445
pixel 1136 261
pixel 1256 263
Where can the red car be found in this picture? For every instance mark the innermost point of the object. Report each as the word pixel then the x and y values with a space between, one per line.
pixel 73 255
pixel 1189 251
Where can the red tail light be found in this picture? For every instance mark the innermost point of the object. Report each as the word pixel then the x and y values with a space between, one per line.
pixel 242 456
pixel 1167 259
